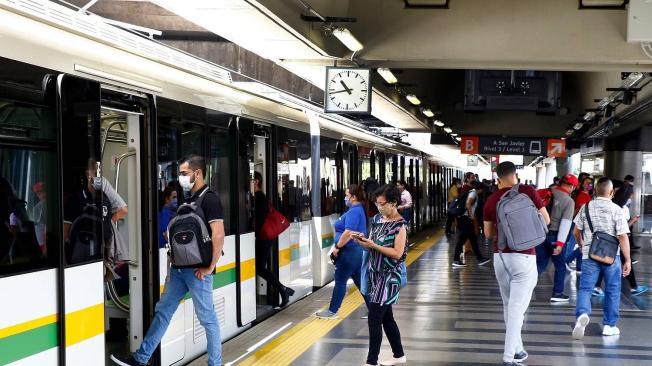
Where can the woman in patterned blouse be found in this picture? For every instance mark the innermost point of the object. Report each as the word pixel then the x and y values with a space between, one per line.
pixel 387 250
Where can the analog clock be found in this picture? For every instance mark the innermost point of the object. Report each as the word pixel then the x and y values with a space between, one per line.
pixel 347 90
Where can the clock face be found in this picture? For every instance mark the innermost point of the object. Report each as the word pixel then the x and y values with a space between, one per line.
pixel 347 90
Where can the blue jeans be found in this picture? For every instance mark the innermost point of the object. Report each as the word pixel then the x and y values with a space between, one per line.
pixel 544 254
pixel 612 278
pixel 348 265
pixel 177 284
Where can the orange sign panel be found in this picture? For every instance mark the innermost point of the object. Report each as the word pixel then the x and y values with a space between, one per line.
pixel 470 144
pixel 556 148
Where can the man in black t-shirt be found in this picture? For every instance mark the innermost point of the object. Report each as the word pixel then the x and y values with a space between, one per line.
pixel 199 281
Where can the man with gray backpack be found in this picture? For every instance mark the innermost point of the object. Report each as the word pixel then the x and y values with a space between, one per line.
pixel 196 237
pixel 517 219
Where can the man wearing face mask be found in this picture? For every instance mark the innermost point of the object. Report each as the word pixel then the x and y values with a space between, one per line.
pixel 199 281
pixel 168 211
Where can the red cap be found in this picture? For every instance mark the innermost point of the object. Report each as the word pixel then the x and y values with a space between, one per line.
pixel 570 179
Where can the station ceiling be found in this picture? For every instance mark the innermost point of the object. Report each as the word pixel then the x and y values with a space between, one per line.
pixel 430 48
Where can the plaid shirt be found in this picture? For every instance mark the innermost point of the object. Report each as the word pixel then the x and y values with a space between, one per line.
pixel 606 216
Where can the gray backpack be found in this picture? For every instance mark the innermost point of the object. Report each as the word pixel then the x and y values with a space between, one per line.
pixel 521 225
pixel 190 241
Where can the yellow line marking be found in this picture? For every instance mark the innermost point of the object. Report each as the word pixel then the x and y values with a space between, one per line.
pixel 225 267
pixel 284 257
pixel 286 348
pixel 247 270
pixel 84 324
pixel 329 235
pixel 28 325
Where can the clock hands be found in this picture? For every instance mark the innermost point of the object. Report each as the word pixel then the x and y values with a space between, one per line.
pixel 340 91
pixel 346 88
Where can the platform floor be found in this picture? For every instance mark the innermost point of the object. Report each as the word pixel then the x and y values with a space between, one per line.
pixel 450 317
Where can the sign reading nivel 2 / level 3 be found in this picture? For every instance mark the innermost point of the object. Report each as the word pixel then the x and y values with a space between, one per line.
pixel 495 145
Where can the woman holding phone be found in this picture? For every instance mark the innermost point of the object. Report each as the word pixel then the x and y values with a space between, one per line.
pixel 387 250
pixel 347 254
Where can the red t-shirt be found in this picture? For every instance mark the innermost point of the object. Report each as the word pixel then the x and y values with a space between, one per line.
pixel 581 199
pixel 465 188
pixel 490 212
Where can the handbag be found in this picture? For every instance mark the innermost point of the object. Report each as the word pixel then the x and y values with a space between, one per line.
pixel 604 247
pixel 275 223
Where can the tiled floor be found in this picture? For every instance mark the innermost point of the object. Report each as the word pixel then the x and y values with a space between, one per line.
pixel 454 317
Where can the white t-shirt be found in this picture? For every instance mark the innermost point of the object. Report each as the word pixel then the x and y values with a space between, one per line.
pixel 473 195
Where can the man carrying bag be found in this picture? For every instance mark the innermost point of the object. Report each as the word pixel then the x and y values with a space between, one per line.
pixel 601 231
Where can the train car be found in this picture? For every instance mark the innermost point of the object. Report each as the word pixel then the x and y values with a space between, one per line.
pixel 84 106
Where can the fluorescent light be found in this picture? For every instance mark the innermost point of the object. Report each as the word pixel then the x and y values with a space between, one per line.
pixel 439 123
pixel 346 37
pixel 454 134
pixel 570 132
pixel 632 79
pixel 448 129
pixel 458 138
pixel 578 125
pixel 387 74
pixel 120 79
pixel 589 116
pixel 604 102
pixel 413 99
pixel 428 113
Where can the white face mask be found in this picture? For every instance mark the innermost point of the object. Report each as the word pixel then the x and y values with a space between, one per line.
pixel 186 184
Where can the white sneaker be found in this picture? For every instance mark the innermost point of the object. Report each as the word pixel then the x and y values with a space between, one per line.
pixel 394 361
pixel 580 326
pixel 610 331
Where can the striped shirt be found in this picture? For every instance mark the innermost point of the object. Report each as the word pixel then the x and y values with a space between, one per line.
pixel 384 281
pixel 606 216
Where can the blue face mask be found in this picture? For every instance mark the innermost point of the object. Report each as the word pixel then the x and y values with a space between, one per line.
pixel 347 202
pixel 173 203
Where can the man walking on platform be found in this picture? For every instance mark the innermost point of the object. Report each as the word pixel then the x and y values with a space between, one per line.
pixel 561 220
pixel 605 217
pixel 516 271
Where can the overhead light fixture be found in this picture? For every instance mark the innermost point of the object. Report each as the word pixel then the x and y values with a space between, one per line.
pixel 458 138
pixel 413 99
pixel 387 74
pixel 448 129
pixel 589 116
pixel 604 102
pixel 632 79
pixel 570 131
pixel 454 134
pixel 346 37
pixel 438 123
pixel 578 125
pixel 428 113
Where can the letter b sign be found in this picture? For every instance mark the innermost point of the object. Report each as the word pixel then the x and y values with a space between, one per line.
pixel 469 144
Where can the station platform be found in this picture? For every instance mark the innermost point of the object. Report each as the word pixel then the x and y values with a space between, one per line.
pixel 451 317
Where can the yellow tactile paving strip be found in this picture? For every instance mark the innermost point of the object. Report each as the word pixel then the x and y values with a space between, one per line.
pixel 286 348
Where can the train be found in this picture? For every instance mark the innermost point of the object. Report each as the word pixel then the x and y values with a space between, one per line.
pixel 74 90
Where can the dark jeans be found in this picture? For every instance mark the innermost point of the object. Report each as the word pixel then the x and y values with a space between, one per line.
pixel 381 317
pixel 466 231
pixel 544 254
pixel 348 265
pixel 263 252
pixel 450 219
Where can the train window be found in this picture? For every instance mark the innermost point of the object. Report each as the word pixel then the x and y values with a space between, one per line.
pixel 364 164
pixel 328 170
pixel 389 168
pixel 294 174
pixel 87 211
pixel 220 163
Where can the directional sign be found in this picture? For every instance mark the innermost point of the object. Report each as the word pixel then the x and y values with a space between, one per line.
pixel 495 145
pixel 472 160
pixel 557 148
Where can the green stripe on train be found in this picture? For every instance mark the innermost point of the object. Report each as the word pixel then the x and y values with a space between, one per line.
pixel 220 279
pixel 327 242
pixel 25 344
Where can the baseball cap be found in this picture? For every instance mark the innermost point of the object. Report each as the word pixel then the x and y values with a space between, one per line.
pixel 570 179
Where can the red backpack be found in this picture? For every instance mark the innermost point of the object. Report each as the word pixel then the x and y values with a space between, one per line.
pixel 547 198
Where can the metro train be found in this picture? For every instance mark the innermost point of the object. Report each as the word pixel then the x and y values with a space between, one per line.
pixel 75 90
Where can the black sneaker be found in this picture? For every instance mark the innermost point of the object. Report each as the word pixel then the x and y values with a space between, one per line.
pixel 482 262
pixel 559 298
pixel 126 360
pixel 458 264
pixel 520 356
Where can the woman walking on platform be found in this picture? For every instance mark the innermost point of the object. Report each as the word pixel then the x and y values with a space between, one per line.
pixel 348 254
pixel 387 250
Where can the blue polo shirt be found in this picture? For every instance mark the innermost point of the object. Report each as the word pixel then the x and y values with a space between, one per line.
pixel 355 219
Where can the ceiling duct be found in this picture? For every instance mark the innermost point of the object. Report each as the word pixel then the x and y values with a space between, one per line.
pixel 603 4
pixel 428 4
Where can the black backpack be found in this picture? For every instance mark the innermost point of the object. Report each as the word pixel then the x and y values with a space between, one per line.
pixel 86 236
pixel 189 238
pixel 457 208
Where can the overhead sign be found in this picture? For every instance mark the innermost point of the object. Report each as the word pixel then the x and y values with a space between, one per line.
pixel 495 145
